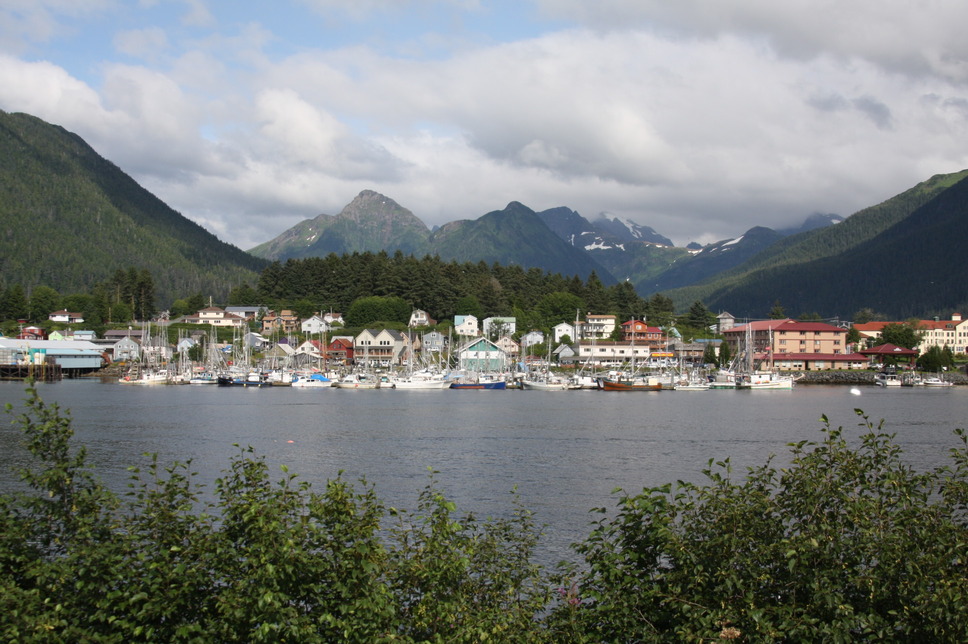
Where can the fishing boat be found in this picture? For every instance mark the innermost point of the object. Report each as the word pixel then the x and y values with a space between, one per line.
pixel 545 384
pixel 629 383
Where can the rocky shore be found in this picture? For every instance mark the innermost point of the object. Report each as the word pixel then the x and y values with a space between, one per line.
pixel 858 378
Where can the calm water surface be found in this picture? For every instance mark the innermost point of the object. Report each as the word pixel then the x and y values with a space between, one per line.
pixel 565 452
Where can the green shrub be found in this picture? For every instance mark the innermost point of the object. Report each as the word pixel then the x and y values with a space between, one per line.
pixel 846 543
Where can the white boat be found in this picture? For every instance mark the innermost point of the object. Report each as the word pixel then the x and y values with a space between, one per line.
pixel 312 381
pixel 767 381
pixel 724 379
pixel 935 381
pixel 423 379
pixel 692 385
pixel 358 381
pixel 145 378
pixel 546 384
pixel 204 378
pixel 887 379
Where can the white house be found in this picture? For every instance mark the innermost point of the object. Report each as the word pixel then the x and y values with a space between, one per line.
pixel 315 325
pixel 561 330
pixel 420 318
pixel 333 318
pixel 596 327
pixel 497 326
pixel 66 316
pixel 466 325
pixel 217 317
pixel 532 338
pixel 381 348
pixel 612 353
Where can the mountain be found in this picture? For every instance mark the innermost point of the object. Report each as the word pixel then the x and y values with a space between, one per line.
pixel 515 235
pixel 713 259
pixel 814 221
pixel 894 257
pixel 71 218
pixel 374 222
pixel 627 230
pixel 371 222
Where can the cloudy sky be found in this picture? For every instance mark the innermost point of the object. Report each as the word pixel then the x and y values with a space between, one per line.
pixel 700 118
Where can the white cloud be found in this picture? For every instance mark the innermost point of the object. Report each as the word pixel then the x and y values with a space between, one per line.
pixel 141 43
pixel 912 37
pixel 699 124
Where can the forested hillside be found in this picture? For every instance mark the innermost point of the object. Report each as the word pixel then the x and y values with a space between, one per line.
pixel 858 263
pixel 71 218
pixel 444 289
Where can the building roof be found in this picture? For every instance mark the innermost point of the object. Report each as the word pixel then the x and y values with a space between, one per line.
pixel 784 325
pixel 827 357
pixel 888 349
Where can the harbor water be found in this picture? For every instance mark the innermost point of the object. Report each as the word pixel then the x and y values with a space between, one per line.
pixel 563 452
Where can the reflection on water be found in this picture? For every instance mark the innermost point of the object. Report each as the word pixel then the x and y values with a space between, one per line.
pixel 564 452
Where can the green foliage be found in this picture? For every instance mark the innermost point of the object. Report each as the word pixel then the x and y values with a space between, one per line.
pixel 43 301
pixel 441 289
pixel 827 267
pixel 901 335
pixel 709 355
pixel 660 310
pixel 845 544
pixel 936 359
pixel 14 304
pixel 267 561
pixel 368 310
pixel 725 354
pixel 777 312
pixel 71 218
pixel 699 317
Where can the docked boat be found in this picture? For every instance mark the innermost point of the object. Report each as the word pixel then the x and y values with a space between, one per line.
pixel 159 377
pixel 633 383
pixel 935 381
pixel 312 381
pixel 770 380
pixel 359 381
pixel 887 379
pixel 204 378
pixel 486 384
pixel 546 384
pixel 416 382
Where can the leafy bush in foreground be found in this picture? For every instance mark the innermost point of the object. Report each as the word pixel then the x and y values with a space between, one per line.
pixel 845 544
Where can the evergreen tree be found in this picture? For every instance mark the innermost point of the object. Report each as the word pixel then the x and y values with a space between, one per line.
pixel 43 301
pixel 699 317
pixel 709 355
pixel 14 304
pixel 725 355
pixel 660 310
pixel 243 295
pixel 777 312
pixel 596 296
